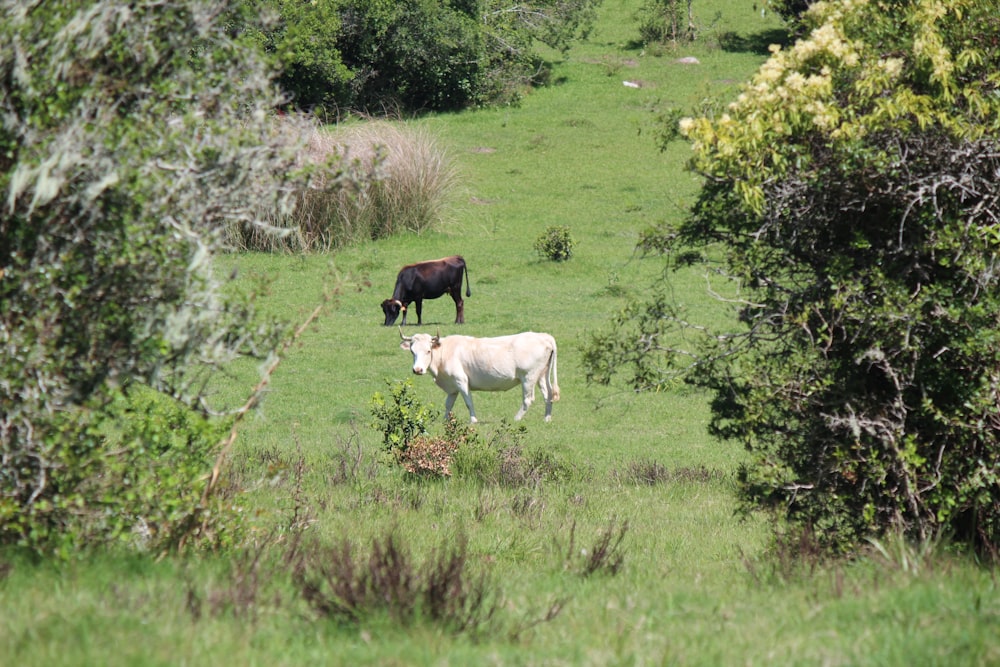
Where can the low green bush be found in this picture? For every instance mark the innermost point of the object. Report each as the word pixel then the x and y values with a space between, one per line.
pixel 135 476
pixel 555 243
pixel 401 417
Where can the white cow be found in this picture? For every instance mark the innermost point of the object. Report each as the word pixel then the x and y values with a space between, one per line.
pixel 461 364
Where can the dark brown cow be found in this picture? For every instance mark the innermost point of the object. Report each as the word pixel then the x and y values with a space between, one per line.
pixel 428 280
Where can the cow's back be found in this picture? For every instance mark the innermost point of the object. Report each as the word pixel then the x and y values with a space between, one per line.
pixel 434 278
pixel 494 364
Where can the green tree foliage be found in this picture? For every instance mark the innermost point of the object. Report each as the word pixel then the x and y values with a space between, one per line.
pixel 132 134
pixel 851 191
pixel 385 56
pixel 303 41
pixel 421 54
pixel 666 21
pixel 790 10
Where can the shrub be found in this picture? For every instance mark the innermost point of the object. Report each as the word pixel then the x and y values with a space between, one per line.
pixel 859 224
pixel 132 135
pixel 555 244
pixel 424 55
pixel 131 477
pixel 401 418
pixel 501 458
pixel 475 459
pixel 666 21
pixel 340 584
pixel 428 456
pixel 400 181
pixel 302 39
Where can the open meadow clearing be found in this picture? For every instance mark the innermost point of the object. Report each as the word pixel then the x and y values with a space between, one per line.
pixel 682 580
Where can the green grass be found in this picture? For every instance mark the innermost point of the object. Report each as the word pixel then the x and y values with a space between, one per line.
pixel 694 589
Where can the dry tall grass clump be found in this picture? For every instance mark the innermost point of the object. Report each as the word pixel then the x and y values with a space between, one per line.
pixel 373 179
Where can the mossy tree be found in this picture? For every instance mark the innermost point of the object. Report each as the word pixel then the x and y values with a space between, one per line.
pixel 131 136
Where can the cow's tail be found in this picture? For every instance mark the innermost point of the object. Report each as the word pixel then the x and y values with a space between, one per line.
pixel 553 379
pixel 468 284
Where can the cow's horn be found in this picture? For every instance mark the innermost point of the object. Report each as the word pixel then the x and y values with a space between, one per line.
pixel 402 336
pixel 438 337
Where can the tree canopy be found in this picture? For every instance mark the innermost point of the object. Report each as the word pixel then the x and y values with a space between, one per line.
pixel 385 56
pixel 852 197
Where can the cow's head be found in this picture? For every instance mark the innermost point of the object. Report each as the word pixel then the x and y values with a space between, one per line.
pixel 421 345
pixel 392 308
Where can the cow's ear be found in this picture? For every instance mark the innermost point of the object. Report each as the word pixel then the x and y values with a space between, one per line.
pixel 405 345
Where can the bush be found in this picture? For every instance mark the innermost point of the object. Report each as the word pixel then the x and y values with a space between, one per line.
pixel 501 459
pixel 131 477
pixel 302 38
pixel 422 55
pixel 555 244
pixel 401 419
pixel 428 456
pixel 340 584
pixel 132 135
pixel 400 181
pixel 859 225
pixel 400 58
pixel 666 21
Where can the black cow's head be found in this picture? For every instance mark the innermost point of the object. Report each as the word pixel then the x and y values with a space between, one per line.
pixel 392 308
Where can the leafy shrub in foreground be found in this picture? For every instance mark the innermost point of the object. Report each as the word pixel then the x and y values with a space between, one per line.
pixel 401 418
pixel 132 135
pixel 131 477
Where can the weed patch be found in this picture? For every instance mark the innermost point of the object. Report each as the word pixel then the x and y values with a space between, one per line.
pixel 605 556
pixel 342 584
pixel 651 473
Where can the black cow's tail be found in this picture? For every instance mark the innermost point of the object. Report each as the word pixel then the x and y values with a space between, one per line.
pixel 468 284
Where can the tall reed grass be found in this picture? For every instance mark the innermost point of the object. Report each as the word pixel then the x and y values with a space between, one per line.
pixel 375 179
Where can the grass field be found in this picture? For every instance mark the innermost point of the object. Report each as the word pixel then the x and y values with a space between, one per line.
pixel 694 586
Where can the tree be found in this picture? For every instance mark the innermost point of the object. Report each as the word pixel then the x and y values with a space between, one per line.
pixel 663 21
pixel 132 135
pixel 851 195
pixel 379 56
pixel 302 39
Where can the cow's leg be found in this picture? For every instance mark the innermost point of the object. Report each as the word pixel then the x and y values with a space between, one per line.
pixel 545 385
pixel 547 393
pixel 463 388
pixel 449 403
pixel 456 294
pixel 528 391
pixel 403 308
pixel 420 311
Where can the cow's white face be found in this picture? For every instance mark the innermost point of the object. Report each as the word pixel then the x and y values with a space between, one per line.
pixel 420 345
